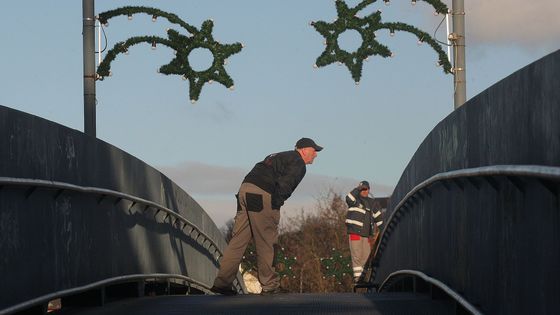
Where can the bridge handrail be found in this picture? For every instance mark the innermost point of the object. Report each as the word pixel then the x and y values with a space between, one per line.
pixel 212 248
pixel 538 171
pixel 454 295
pixel 128 278
pixel 103 191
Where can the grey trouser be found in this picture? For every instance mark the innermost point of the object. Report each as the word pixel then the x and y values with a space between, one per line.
pixel 255 219
pixel 359 250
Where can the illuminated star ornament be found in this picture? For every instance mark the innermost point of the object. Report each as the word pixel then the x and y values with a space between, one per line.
pixel 348 19
pixel 337 266
pixel 183 46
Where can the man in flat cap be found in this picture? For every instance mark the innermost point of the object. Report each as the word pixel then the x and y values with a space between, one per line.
pixel 361 217
pixel 263 191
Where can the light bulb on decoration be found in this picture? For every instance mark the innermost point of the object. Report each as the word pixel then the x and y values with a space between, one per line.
pixel 210 81
pixel 153 45
pixel 154 18
pixel 392 54
pixel 392 33
pixel 193 101
pixel 357 82
pixel 231 88
pixel 366 59
pixel 387 2
pixel 130 17
pixel 126 51
pixel 420 42
pixel 106 24
pixel 325 43
pixel 183 78
pixel 413 2
pixel 315 66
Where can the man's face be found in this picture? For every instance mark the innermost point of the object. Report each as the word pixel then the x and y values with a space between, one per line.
pixel 308 154
pixel 364 192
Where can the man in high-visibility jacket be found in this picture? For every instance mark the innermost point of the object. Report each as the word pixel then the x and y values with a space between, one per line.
pixel 360 218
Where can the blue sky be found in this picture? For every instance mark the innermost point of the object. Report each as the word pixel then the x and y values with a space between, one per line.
pixel 369 131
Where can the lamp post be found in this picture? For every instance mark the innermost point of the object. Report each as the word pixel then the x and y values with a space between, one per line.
pixel 89 66
pixel 458 39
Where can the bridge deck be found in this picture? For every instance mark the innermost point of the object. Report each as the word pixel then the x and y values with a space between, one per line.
pixel 311 303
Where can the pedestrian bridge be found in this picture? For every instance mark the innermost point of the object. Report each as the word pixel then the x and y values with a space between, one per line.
pixel 473 226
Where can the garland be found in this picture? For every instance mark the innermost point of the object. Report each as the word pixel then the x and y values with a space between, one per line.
pixel 183 45
pixel 348 19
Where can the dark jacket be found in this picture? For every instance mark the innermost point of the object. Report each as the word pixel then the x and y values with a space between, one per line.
pixel 362 214
pixel 278 174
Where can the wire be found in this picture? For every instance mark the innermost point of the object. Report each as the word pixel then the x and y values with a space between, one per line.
pixel 435 31
pixel 105 37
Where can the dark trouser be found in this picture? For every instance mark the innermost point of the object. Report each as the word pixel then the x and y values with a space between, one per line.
pixel 255 219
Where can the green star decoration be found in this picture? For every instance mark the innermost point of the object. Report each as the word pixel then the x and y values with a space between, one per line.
pixel 183 46
pixel 284 264
pixel 348 19
pixel 337 266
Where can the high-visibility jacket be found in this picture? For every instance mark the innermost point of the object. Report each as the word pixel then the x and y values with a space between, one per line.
pixel 361 214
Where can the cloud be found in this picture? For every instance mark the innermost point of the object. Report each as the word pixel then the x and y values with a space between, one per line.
pixel 212 180
pixel 214 187
pixel 202 179
pixel 512 22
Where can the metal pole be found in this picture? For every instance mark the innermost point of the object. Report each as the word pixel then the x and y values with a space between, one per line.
pixel 459 70
pixel 89 66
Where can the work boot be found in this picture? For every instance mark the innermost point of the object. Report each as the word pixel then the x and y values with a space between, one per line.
pixel 223 291
pixel 277 290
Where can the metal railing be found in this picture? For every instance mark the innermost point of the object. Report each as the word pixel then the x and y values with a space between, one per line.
pixel 452 294
pixel 103 283
pixel 60 186
pixel 176 220
pixel 548 173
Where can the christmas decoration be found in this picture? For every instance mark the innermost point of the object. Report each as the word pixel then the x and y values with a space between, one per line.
pixel 348 19
pixel 284 264
pixel 183 46
pixel 337 266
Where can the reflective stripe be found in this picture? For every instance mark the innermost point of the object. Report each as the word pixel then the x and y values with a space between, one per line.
pixel 358 268
pixel 379 223
pixel 357 274
pixel 351 197
pixel 357 209
pixel 376 214
pixel 358 223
